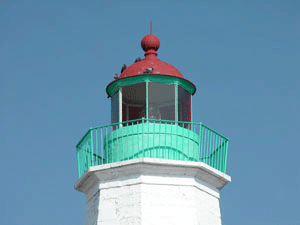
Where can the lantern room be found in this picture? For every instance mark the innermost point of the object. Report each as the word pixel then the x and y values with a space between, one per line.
pixel 150 88
pixel 151 117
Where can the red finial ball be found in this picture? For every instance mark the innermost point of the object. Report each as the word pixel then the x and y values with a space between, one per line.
pixel 150 42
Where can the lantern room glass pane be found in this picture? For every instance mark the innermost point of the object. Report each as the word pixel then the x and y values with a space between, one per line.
pixel 115 107
pixel 133 101
pixel 161 98
pixel 184 105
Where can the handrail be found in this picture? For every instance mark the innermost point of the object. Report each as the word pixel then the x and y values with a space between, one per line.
pixel 145 119
pixel 84 136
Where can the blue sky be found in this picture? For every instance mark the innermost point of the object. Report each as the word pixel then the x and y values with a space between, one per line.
pixel 56 58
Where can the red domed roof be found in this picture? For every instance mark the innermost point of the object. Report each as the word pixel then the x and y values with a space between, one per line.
pixel 150 65
pixel 158 67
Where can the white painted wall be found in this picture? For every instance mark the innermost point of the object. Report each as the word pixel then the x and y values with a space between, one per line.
pixel 152 192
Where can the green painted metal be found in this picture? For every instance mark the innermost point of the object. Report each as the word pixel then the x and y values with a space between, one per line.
pixel 78 162
pixel 91 150
pixel 175 140
pixel 114 86
pixel 147 98
pixel 176 102
pixel 120 105
pixel 191 109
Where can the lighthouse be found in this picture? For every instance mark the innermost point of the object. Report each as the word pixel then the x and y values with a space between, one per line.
pixel 153 165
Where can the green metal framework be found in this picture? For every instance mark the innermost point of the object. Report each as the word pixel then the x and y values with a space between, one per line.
pixel 151 138
pixel 114 86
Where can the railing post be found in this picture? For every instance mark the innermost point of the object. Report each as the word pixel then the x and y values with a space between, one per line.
pixel 221 153
pixel 200 140
pixel 107 149
pixel 226 149
pixel 92 147
pixel 102 147
pixel 117 143
pixel 97 150
pixel 78 163
pixel 210 147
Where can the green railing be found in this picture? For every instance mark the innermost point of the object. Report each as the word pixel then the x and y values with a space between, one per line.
pixel 152 138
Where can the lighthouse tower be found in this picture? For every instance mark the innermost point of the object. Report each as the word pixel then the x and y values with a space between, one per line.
pixel 152 165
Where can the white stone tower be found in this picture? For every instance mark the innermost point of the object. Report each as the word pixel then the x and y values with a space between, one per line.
pixel 152 165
